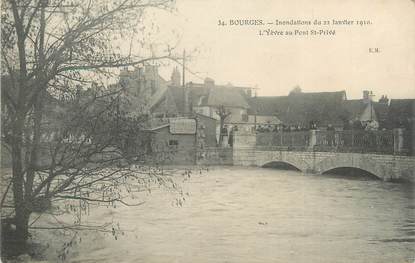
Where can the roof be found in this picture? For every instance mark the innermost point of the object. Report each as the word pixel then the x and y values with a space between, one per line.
pixel 228 97
pixel 157 128
pixel 201 95
pixel 382 111
pixel 157 97
pixel 267 106
pixel 209 94
pixel 205 117
pixel 301 108
pixel 354 108
pixel 141 91
pixel 175 94
pixel 401 112
pixel 404 106
pixel 198 94
pixel 178 94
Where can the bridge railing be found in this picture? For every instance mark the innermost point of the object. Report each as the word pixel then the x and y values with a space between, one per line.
pixel 358 141
pixel 284 140
pixel 355 141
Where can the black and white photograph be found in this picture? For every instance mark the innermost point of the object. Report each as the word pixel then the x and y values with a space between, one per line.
pixel 207 131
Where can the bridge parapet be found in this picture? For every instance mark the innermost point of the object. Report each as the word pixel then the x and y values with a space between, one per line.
pixel 308 159
pixel 397 142
pixel 244 139
pixel 244 148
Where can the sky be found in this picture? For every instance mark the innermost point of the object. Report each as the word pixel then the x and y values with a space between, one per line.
pixel 276 64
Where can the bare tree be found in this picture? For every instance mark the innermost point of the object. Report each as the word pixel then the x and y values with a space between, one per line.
pixel 223 114
pixel 66 146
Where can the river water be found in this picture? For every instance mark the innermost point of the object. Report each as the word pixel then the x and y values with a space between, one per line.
pixel 236 214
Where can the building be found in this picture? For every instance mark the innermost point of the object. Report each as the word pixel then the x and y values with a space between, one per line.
pixel 168 102
pixel 366 110
pixel 203 99
pixel 206 131
pixel 299 109
pixel 401 114
pixel 174 142
pixel 142 80
pixel 206 98
pixel 138 86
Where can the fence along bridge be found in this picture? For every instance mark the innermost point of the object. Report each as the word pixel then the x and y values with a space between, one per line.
pixel 385 154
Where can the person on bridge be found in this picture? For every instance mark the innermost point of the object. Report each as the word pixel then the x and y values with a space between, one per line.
pixel 330 135
pixel 312 125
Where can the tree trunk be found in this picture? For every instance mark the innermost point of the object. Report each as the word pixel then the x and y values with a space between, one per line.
pixel 19 237
pixel 22 230
pixel 222 123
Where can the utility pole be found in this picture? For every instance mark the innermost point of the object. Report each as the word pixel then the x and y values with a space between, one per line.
pixel 256 109
pixel 371 104
pixel 184 67
pixel 186 109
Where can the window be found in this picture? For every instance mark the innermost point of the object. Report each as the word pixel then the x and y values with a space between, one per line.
pixel 173 142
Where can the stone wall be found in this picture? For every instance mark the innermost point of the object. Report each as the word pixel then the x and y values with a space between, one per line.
pixel 215 156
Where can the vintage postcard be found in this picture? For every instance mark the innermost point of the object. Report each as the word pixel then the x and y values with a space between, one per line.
pixel 207 131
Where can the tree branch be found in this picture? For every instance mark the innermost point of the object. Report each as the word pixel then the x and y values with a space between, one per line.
pixel 98 200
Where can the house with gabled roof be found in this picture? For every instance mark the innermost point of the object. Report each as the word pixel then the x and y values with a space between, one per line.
pixel 168 102
pixel 202 98
pixel 366 110
pixel 299 109
pixel 211 97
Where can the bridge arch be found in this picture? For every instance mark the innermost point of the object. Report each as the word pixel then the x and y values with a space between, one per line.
pixel 284 165
pixel 385 167
pixel 352 172
pixel 346 161
pixel 294 159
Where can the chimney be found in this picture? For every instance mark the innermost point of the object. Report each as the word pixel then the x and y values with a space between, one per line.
pixel 384 100
pixel 248 92
pixel 367 96
pixel 209 83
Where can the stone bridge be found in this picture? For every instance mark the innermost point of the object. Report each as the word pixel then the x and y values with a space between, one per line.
pixel 385 166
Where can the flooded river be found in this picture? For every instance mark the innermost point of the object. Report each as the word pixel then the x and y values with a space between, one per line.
pixel 261 215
